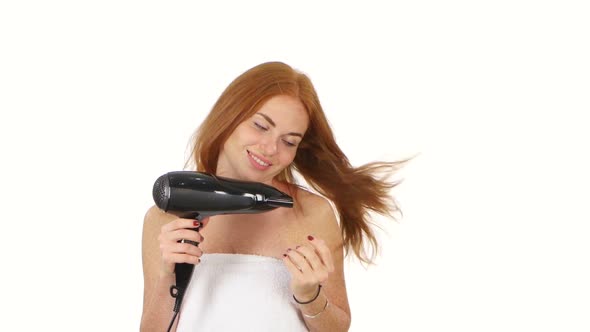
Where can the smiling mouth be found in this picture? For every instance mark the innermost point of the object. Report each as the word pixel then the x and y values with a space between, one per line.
pixel 258 160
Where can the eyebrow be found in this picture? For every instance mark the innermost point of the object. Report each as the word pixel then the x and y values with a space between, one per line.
pixel 272 123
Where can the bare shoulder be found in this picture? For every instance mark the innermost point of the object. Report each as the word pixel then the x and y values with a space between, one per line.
pixel 312 203
pixel 319 218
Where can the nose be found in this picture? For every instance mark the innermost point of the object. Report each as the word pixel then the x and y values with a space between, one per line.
pixel 269 146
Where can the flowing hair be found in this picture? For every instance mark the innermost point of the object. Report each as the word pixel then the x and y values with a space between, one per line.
pixel 355 191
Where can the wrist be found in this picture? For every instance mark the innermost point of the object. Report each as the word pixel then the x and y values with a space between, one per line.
pixel 316 308
pixel 309 297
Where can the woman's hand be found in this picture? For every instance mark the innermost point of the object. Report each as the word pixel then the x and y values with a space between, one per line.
pixel 310 265
pixel 173 249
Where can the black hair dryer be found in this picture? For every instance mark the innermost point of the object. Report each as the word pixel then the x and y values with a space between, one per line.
pixel 197 195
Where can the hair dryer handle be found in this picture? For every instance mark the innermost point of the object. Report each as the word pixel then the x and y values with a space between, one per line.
pixel 184 271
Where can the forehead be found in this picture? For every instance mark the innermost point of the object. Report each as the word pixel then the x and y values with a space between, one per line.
pixel 287 112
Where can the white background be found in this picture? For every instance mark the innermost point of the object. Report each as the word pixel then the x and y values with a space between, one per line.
pixel 98 99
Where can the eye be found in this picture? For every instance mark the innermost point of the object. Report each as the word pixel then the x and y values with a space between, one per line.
pixel 259 126
pixel 289 144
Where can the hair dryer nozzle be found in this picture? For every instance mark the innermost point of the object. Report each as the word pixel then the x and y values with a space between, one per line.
pixel 280 201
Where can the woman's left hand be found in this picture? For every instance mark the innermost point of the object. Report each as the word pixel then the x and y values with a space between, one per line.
pixel 310 265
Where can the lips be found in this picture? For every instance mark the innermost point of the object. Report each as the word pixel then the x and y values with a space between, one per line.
pixel 258 161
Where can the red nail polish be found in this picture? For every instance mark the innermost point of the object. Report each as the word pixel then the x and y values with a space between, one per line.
pixel 196 223
pixel 310 238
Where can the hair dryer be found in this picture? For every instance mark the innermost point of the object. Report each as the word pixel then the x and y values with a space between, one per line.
pixel 198 195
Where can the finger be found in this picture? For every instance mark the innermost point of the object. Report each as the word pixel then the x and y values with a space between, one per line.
pixel 181 258
pixel 169 241
pixel 293 269
pixel 204 222
pixel 185 234
pixel 185 248
pixel 309 253
pixel 324 252
pixel 300 261
pixel 180 223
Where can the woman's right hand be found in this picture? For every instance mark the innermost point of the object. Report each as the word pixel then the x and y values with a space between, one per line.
pixel 172 250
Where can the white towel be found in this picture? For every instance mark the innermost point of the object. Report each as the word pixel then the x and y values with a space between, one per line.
pixel 235 292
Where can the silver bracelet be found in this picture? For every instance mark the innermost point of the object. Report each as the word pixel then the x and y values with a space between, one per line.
pixel 319 313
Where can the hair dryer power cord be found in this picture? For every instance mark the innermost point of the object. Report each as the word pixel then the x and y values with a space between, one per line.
pixel 178 294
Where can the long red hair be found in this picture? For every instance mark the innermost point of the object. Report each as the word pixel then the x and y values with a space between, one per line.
pixel 354 191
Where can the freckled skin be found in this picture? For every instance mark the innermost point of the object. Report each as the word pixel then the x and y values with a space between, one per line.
pixel 257 135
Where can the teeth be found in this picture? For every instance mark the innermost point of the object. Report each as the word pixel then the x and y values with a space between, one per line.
pixel 260 162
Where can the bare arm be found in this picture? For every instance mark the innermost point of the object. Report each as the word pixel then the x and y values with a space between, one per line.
pixel 160 251
pixel 324 255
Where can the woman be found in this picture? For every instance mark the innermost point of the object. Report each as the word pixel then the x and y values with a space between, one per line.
pixel 281 270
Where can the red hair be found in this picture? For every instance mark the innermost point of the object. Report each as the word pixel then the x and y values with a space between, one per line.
pixel 354 191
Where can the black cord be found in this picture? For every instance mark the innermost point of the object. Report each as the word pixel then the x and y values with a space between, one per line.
pixel 172 322
pixel 178 294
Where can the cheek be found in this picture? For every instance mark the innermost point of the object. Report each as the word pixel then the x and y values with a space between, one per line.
pixel 287 156
pixel 243 137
